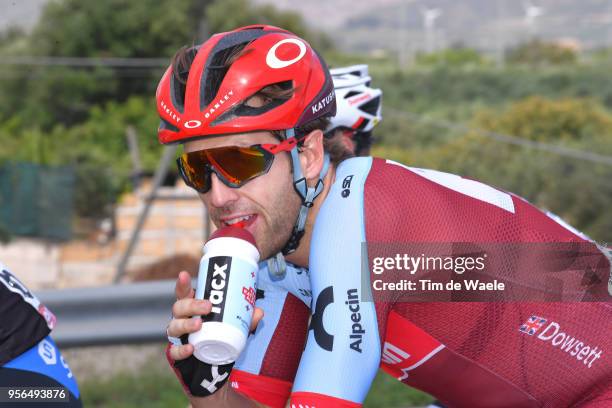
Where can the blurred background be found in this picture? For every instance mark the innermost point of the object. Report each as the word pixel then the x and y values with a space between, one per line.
pixel 515 94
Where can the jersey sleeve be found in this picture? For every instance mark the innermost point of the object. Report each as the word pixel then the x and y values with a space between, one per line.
pixel 42 365
pixel 24 320
pixel 342 353
pixel 28 355
pixel 266 369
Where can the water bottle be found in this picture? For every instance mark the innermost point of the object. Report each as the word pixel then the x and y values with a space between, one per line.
pixel 227 278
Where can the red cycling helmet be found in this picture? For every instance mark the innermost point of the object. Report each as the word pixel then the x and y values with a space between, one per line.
pixel 214 99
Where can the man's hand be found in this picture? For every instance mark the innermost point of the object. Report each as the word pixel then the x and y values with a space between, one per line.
pixel 184 308
pixel 198 377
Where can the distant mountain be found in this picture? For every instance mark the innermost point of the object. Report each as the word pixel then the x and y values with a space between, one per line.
pixel 21 13
pixel 333 13
pixel 398 25
pixel 484 24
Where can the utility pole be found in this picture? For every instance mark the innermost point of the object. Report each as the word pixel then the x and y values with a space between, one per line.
pixel 532 13
pixel 402 42
pixel 430 15
pixel 500 34
pixel 132 140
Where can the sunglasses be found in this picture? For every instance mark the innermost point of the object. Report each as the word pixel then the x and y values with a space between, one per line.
pixel 233 165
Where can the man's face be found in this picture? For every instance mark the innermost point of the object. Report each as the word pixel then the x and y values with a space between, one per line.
pixel 269 201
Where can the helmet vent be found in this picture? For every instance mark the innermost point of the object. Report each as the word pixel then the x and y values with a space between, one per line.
pixel 181 64
pixel 272 96
pixel 217 69
pixel 167 125
pixel 254 27
pixel 372 106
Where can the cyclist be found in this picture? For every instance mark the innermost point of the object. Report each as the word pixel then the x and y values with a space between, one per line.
pixel 250 107
pixel 358 109
pixel 28 355
pixel 280 284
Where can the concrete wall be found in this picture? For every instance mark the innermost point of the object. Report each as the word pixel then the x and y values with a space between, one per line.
pixel 176 225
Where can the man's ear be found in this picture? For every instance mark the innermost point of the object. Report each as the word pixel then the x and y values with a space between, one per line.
pixel 312 154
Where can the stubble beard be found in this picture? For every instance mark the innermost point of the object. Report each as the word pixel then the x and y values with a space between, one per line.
pixel 283 216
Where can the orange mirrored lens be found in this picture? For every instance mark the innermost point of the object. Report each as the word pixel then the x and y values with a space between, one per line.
pixel 239 164
pixel 194 171
pixel 235 165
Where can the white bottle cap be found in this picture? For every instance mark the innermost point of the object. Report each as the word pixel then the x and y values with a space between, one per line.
pixel 218 343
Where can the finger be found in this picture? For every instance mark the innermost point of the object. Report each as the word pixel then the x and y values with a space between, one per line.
pixel 183 286
pixel 188 307
pixel 258 314
pixel 179 327
pixel 181 352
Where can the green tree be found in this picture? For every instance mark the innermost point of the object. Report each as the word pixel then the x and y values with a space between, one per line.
pixel 61 115
pixel 577 190
pixel 96 149
pixel 452 57
pixel 116 28
pixel 45 94
pixel 537 53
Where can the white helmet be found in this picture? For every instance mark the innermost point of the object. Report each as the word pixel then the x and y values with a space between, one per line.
pixel 358 107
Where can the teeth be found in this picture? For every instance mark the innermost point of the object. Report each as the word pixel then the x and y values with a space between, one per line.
pixel 235 220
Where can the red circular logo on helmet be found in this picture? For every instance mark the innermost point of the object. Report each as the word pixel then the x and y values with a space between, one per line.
pixel 285 52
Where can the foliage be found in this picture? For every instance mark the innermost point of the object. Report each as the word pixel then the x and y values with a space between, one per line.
pixel 101 156
pixel 599 57
pixel 566 121
pixel 115 28
pixel 387 391
pixel 452 57
pixel 153 387
pixel 445 86
pixel 56 115
pixel 157 387
pixel 416 101
pixel 97 149
pixel 537 52
pixel 10 35
pixel 576 190
pixel 60 115
pixel 46 95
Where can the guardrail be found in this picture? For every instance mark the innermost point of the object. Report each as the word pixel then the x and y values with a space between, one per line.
pixel 116 314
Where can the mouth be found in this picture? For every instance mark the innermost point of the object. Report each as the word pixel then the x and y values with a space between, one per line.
pixel 242 221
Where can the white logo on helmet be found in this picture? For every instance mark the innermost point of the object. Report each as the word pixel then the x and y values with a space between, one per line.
pixel 274 62
pixel 191 124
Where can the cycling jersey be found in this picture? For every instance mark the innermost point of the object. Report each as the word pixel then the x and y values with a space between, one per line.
pixel 28 355
pixel 24 321
pixel 474 354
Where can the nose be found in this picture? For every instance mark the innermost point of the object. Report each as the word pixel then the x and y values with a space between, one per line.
pixel 221 195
